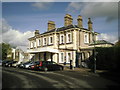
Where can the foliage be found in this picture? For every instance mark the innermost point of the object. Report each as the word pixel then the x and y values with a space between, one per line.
pixel 117 43
pixel 108 58
pixel 6 50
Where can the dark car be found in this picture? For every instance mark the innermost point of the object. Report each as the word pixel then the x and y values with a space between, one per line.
pixel 9 64
pixel 4 62
pixel 46 65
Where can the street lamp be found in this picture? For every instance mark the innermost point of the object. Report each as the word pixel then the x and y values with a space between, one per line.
pixel 94 52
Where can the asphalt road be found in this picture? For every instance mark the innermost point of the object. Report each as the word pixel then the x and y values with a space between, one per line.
pixel 22 78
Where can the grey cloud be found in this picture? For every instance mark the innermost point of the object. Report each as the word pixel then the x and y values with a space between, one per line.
pixel 108 10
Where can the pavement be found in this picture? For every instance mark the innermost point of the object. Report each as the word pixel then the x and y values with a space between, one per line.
pixel 83 70
pixel 110 75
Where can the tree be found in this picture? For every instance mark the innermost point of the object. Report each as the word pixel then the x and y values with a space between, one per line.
pixel 6 50
pixel 117 43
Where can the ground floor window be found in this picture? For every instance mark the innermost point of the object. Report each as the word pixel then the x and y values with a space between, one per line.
pixel 61 57
pixel 69 57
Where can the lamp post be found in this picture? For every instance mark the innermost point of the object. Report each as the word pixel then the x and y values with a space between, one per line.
pixel 94 53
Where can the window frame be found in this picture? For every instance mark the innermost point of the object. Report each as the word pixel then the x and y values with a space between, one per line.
pixel 38 42
pixel 86 38
pixel 67 59
pixel 50 40
pixel 61 40
pixel 61 57
pixel 68 39
pixel 44 42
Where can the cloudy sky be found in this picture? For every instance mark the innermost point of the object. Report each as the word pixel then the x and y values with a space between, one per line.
pixel 20 19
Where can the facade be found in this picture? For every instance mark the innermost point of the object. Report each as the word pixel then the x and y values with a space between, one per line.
pixel 70 42
pixel 20 54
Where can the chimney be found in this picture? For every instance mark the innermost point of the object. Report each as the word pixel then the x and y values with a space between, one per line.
pixel 36 32
pixel 68 20
pixel 51 25
pixel 80 25
pixel 90 24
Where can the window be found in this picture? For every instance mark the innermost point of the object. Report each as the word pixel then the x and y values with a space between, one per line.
pixel 88 55
pixel 61 58
pixel 69 57
pixel 61 39
pixel 86 39
pixel 51 40
pixel 38 42
pixel 44 41
pixel 32 44
pixel 69 38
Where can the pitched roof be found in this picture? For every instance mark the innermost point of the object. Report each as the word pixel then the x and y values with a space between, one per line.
pixel 23 48
pixel 62 29
pixel 101 42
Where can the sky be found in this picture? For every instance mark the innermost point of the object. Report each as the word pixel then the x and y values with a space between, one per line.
pixel 21 19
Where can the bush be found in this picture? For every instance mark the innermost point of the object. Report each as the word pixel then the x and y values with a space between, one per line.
pixel 108 58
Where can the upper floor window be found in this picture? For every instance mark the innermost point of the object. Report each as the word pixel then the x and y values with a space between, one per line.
pixel 68 37
pixel 61 39
pixel 31 44
pixel 44 41
pixel 34 43
pixel 51 40
pixel 38 42
pixel 86 38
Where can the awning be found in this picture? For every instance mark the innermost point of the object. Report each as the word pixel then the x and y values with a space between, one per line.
pixel 44 49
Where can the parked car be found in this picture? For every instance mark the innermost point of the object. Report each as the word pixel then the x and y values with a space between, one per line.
pixel 4 62
pixel 46 65
pixel 9 64
pixel 26 64
pixel 16 64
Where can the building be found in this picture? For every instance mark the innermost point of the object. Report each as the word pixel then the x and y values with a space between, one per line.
pixel 20 54
pixel 70 42
pixel 102 43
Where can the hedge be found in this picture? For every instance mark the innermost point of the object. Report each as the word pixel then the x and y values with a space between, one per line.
pixel 108 58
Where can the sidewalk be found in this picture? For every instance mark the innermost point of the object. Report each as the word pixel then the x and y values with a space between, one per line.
pixel 100 73
pixel 84 70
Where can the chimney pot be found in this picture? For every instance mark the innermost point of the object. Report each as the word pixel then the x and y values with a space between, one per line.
pixel 80 21
pixel 51 25
pixel 68 20
pixel 90 24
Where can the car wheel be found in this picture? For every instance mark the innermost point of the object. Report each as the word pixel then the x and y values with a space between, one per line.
pixel 61 68
pixel 45 69
pixel 8 65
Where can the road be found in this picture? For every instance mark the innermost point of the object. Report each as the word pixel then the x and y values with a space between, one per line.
pixel 22 78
